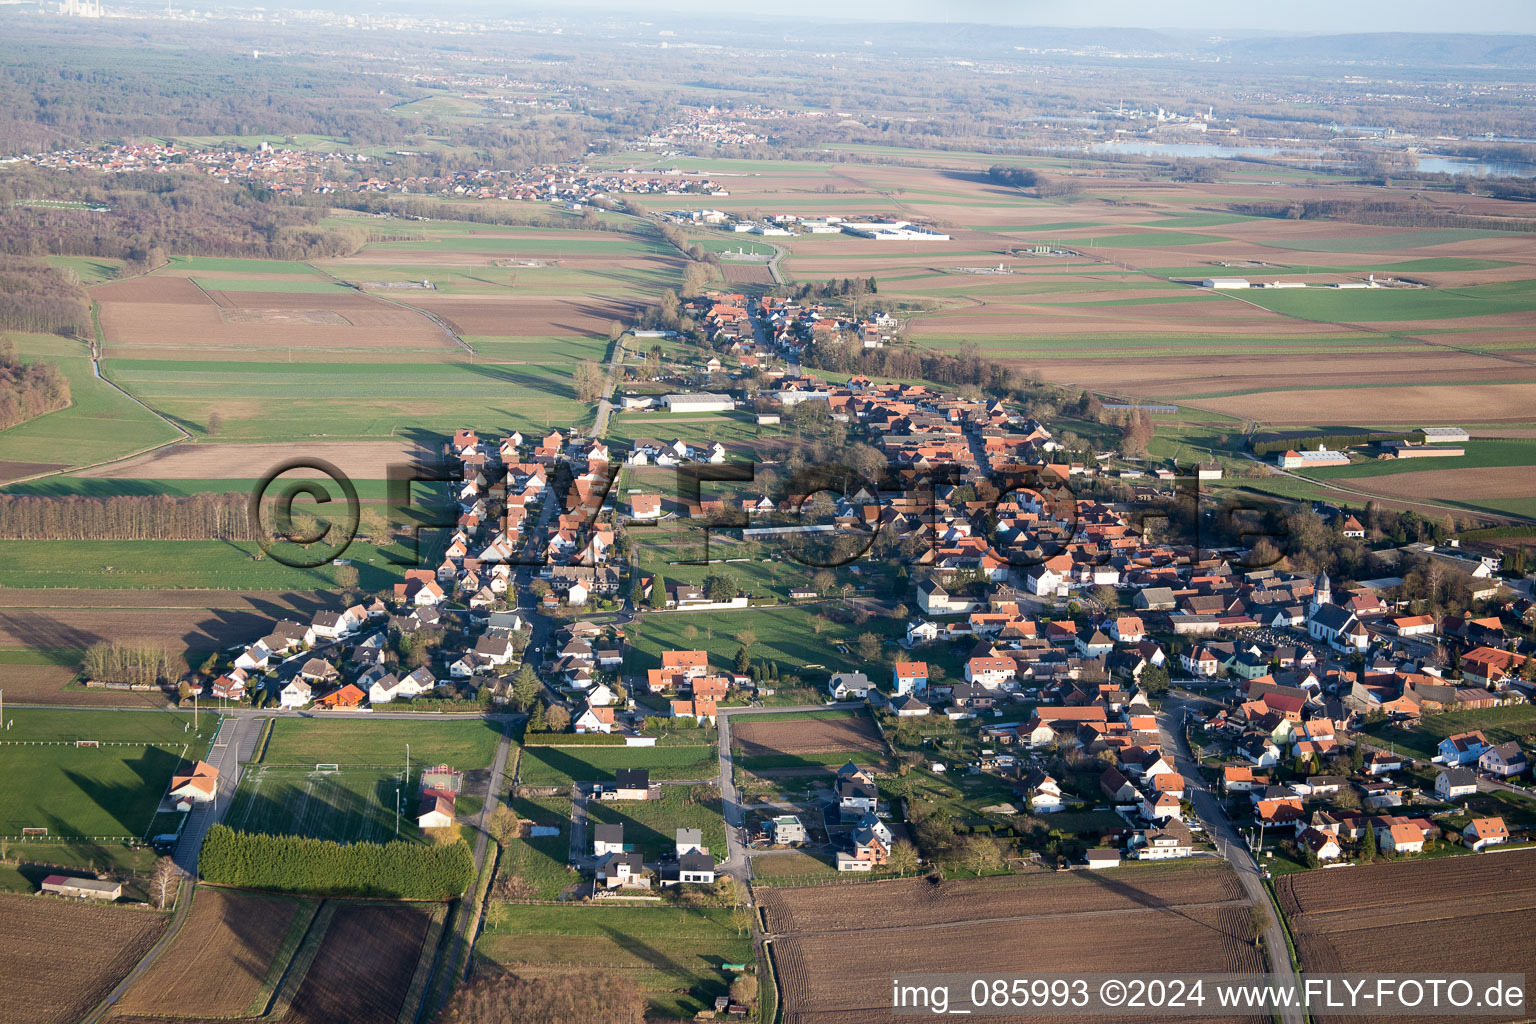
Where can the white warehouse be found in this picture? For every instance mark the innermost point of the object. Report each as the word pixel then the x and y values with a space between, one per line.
pixel 702 402
pixel 1225 282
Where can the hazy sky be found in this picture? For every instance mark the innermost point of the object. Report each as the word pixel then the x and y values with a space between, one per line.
pixel 1298 17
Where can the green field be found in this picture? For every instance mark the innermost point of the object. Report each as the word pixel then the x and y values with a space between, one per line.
pixel 1152 239
pixel 673 953
pixel 100 423
pixel 1497 724
pixel 282 401
pixel 174 565
pixel 90 269
pixel 650 826
pixel 541 863
pixel 316 287
pixel 785 634
pixel 560 766
pixel 102 793
pixel 354 805
pixel 465 745
pixel 1368 305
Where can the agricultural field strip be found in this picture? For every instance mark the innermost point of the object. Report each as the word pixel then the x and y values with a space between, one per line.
pixel 1005 919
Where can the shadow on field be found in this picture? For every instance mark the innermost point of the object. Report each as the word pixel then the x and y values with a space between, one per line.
pixel 1144 899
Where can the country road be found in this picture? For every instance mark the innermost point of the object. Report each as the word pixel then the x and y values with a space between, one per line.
pixel 1231 845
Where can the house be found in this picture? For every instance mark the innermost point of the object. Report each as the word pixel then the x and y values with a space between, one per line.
pixel 349 696
pixel 1401 838
pixel 693 868
pixel 1323 845
pixel 1380 762
pixel 622 871
pixel 1098 860
pixel 910 707
pixel 198 785
pixel 82 888
pixel 1128 629
pixel 787 830
pixel 388 687
pixel 436 810
pixel 1454 783
pixel 629 784
pixel 607 839
pixel 1238 779
pixel 1172 840
pixel 990 672
pixel 910 677
pixel 922 631
pixel 1200 662
pixel 870 850
pixel 848 685
pixel 1506 760
pixel 594 719
pixel 856 792
pixel 1045 723
pixel 1041 792
pixel 295 695
pixel 1461 748
pixel 1482 832
pixel 690 840
pixel 1160 806
pixel 230 686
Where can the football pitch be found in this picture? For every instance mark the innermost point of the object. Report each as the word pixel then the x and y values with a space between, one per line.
pixel 350 805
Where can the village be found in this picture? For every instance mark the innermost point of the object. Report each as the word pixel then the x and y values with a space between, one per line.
pixel 1057 678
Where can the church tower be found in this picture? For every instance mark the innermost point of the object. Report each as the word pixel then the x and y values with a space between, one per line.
pixel 1322 592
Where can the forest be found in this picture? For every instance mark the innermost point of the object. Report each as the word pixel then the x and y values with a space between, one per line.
pixel 126 517
pixel 38 299
pixel 27 390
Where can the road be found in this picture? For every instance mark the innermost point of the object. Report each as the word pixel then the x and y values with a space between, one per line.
pixel 232 747
pixel 605 404
pixel 736 863
pixel 1232 846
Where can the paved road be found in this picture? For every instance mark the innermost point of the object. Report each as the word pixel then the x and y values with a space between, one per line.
pixel 1221 830
pixel 605 405
pixel 736 863
pixel 234 745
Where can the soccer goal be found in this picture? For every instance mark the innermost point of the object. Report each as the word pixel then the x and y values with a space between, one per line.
pixel 87 743
pixel 327 767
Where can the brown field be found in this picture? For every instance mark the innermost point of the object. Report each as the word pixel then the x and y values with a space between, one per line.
pixel 528 316
pixel 808 736
pixel 61 958
pixel 1474 403
pixel 1339 918
pixel 362 460
pixel 16 470
pixel 217 963
pixel 157 313
pixel 746 273
pixel 837 946
pixel 364 970
pixel 1467 484
pixel 181 620
pixel 47 684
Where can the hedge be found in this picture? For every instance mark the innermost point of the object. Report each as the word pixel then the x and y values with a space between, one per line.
pixel 300 864
pixel 572 739
pixel 1337 442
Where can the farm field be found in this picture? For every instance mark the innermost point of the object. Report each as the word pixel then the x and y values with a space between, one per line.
pixel 651 825
pixel 816 738
pixel 175 565
pixel 63 957
pixel 365 969
pixel 209 460
pixel 835 943
pixel 466 745
pixel 100 423
pixel 560 766
pixel 1333 914
pixel 223 960
pixel 673 953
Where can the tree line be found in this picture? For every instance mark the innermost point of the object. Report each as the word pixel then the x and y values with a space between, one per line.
pixel 37 298
pixel 300 864
pixel 126 517
pixel 1386 214
pixel 115 662
pixel 843 355
pixel 27 389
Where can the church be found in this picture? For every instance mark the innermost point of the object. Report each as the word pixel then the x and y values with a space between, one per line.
pixel 1328 622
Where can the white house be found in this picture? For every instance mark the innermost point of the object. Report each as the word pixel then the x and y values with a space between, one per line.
pixel 1483 832
pixel 1455 783
pixel 296 694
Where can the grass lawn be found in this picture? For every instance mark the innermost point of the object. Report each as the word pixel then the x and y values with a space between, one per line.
pixel 833 759
pixel 354 805
pixel 787 634
pixel 1366 305
pixel 541 862
pixel 1497 724
pixel 465 745
pixel 138 728
pixel 673 953
pixel 560 766
pixel 650 826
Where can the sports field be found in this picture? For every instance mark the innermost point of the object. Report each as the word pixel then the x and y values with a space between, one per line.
pixel 305 742
pixel 102 793
pixel 349 805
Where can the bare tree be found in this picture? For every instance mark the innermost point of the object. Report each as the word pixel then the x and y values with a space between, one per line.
pixel 163 882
